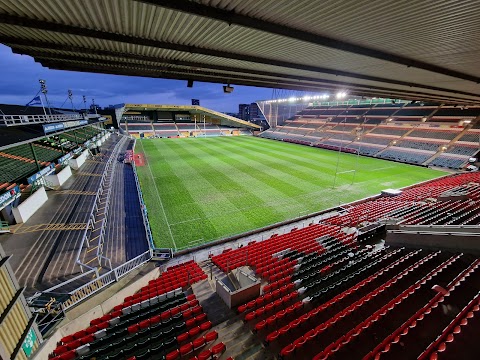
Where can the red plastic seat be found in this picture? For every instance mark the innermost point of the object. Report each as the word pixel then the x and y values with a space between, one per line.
pixel 74 344
pixel 186 349
pixel 91 329
pixel 299 342
pixel 183 337
pixel 310 335
pixel 194 332
pixel 281 314
pixel 287 350
pixel 206 325
pixel 242 308
pixel 272 336
pixel 205 355
pixel 67 339
pixel 201 318
pixel 250 316
pixel 199 342
pixel 260 325
pixel 211 336
pixel 218 349
pixel 103 325
pixel 165 315
pixel 175 354
pixel 61 349
pixel 155 319
pixel 87 339
pixel 68 355
pixel 82 333
pixel 187 314
pixel 175 311
pixel 144 324
pixel 197 310
pixel 190 323
pixel 133 329
pixel 284 329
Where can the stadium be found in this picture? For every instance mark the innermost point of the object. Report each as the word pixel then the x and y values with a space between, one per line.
pixel 343 224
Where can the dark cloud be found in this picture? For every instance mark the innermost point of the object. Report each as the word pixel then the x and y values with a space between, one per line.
pixel 19 76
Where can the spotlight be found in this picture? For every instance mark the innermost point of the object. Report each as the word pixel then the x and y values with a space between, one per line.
pixel 227 89
pixel 189 83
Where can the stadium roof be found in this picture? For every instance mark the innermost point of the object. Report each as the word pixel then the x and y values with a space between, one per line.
pixel 223 119
pixel 425 50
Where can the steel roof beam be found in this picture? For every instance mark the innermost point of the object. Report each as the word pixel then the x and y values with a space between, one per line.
pixel 99 34
pixel 179 74
pixel 231 17
pixel 195 65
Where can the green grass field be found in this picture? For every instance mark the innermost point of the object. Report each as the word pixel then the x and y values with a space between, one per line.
pixel 202 189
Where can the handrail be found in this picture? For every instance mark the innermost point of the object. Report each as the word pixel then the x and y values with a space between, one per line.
pixel 132 264
pixel 95 207
pixel 109 171
pixel 58 286
pixel 88 289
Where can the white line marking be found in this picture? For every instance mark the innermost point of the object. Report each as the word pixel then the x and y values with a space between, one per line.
pixel 384 168
pixel 346 171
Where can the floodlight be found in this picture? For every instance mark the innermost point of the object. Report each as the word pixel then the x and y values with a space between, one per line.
pixel 227 89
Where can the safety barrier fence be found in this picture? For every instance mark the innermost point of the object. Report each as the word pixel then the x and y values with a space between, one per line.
pixel 10 120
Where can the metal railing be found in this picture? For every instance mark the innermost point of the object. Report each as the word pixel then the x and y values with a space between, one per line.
pixel 93 286
pixel 15 120
pixel 132 264
pixel 89 289
pixel 95 208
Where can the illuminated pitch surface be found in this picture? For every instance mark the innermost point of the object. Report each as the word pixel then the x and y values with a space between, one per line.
pixel 202 189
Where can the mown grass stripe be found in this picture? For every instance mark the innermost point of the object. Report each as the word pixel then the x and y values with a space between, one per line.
pixel 233 190
pixel 216 187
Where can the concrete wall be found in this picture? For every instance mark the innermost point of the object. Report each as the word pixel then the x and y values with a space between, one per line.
pixel 464 242
pixel 238 297
pixel 61 177
pixel 475 229
pixel 27 208
pixel 222 291
pixel 77 162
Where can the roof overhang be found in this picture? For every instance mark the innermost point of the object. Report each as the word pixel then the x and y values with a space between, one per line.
pixel 376 49
pixel 224 119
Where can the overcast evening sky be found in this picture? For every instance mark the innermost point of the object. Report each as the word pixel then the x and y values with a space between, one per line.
pixel 19 75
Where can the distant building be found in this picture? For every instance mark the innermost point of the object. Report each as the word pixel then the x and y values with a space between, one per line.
pixel 254 111
pixel 244 111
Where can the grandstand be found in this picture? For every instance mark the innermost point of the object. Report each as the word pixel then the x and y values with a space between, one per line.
pixel 348 229
pixel 405 132
pixel 170 121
